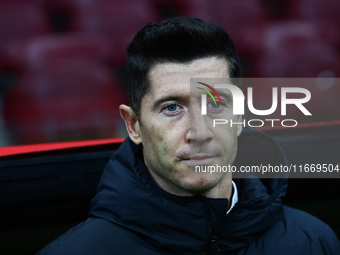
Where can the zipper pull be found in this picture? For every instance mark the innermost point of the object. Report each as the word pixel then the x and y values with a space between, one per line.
pixel 214 245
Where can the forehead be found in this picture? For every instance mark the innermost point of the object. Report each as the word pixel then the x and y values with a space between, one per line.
pixel 170 77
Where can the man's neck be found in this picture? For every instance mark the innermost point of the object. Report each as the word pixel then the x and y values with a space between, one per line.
pixel 223 189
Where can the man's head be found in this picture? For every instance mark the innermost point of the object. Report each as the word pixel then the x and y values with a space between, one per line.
pixel 164 114
pixel 177 40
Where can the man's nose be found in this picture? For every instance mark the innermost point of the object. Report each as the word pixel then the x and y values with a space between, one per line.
pixel 199 132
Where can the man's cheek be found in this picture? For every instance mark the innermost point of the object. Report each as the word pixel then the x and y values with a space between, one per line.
pixel 155 132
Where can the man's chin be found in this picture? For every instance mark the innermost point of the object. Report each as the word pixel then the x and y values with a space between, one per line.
pixel 199 183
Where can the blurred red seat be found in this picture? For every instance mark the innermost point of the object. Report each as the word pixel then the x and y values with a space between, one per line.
pixel 119 21
pixel 19 21
pixel 316 10
pixel 64 100
pixel 241 19
pixel 274 36
pixel 286 38
pixel 188 8
pixel 40 51
pixel 36 2
pixel 287 32
pixel 299 59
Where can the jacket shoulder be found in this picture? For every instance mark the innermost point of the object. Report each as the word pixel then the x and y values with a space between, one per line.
pixel 308 224
pixel 97 236
pixel 77 239
pixel 301 233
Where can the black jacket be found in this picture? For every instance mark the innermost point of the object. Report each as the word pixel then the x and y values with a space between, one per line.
pixel 131 215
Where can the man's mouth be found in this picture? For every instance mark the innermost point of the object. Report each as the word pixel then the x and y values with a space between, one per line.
pixel 198 159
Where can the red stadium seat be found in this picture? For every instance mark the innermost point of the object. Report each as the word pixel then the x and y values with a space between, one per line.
pixel 316 10
pixel 277 9
pixel 272 37
pixel 119 21
pixel 40 51
pixel 64 100
pixel 188 8
pixel 241 19
pixel 36 2
pixel 19 21
pixel 279 34
pixel 284 38
pixel 299 59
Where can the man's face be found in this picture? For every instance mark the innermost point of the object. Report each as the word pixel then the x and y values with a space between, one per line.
pixel 174 134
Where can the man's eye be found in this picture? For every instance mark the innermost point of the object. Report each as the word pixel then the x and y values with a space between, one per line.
pixel 215 106
pixel 171 107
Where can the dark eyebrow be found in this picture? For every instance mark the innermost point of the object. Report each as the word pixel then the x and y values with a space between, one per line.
pixel 158 102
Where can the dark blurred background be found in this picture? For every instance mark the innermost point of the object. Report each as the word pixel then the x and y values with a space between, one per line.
pixel 62 79
pixel 62 61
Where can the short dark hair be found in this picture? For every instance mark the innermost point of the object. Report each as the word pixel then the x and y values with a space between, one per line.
pixel 176 40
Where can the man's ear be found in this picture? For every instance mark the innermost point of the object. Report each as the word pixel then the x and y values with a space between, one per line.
pixel 131 123
pixel 239 126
